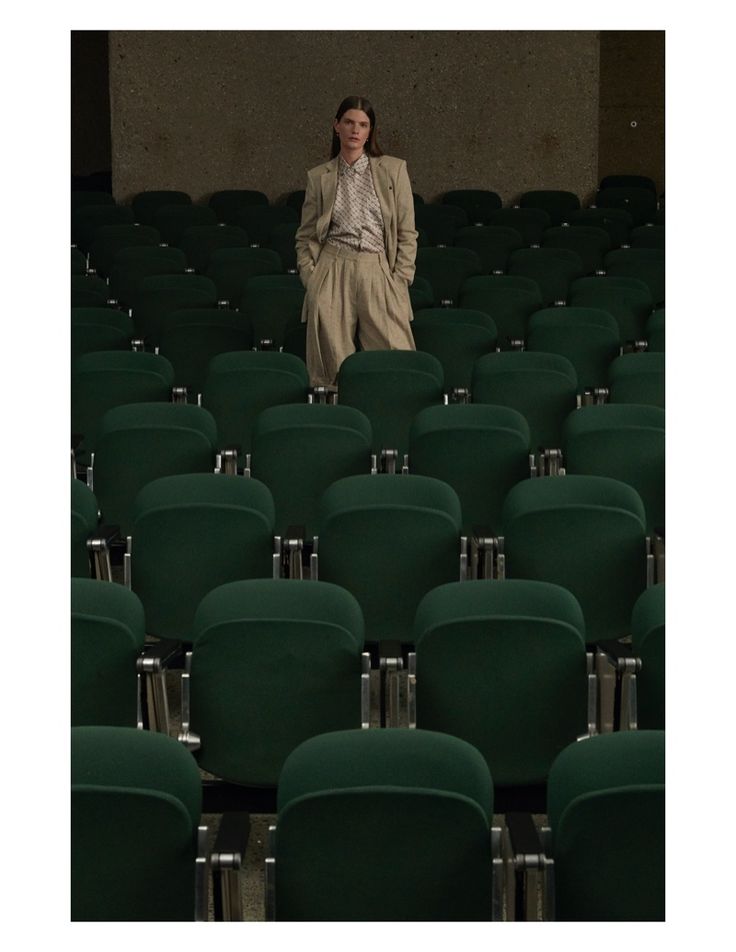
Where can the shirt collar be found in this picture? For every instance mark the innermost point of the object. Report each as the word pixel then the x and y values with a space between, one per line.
pixel 358 166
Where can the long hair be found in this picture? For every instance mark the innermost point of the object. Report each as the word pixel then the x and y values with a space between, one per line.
pixel 357 102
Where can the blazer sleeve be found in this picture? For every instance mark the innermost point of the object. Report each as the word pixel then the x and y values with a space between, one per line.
pixel 406 236
pixel 307 231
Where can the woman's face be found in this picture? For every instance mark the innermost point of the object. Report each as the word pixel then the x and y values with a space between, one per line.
pixel 353 129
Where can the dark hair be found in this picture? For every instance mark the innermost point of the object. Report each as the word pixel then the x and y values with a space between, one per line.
pixel 357 102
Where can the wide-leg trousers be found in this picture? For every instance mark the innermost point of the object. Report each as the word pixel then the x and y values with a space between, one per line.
pixel 353 293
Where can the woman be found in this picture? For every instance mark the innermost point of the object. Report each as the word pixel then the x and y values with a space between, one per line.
pixel 356 247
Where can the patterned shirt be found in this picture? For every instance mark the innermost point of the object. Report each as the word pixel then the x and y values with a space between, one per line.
pixel 357 222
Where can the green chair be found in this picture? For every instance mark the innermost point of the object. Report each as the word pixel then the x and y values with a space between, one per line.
pixel 588 337
pixel 589 242
pixel 456 337
pixel 82 197
pixel 421 294
pixel 542 387
pixel 390 387
pixel 232 268
pixel 388 539
pixel 641 203
pixel 648 236
pixel 638 378
pixel 158 294
pixel 481 451
pixel 89 290
pixel 273 302
pixel 260 220
pixel 241 384
pixel 585 533
pixel 509 300
pixel 529 222
pixel 629 300
pixel 503 666
pixel 99 328
pixel 282 241
pixel 130 265
pixel 439 222
pixel 296 200
pixel 109 239
pixel 617 222
pixel 628 181
pixel 79 262
pixel 385 825
pixel 172 220
pixel 648 644
pixel 190 533
pixel 108 631
pixel 228 202
pixel 88 218
pixel 199 241
pixel 300 449
pixel 654 331
pixel 273 663
pixel 139 442
pixel 84 522
pixel 477 203
pixel 191 337
pixel 492 243
pixel 646 264
pixel 624 441
pixel 556 202
pixel 146 204
pixel 109 378
pixel 606 814
pixel 446 269
pixel 554 269
pixel 138 852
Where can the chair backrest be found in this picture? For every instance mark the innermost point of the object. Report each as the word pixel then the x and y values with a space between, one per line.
pixel 300 449
pixel 198 242
pixel 106 379
pixel 136 806
pixel 492 244
pixel 588 241
pixel 172 220
pixel 145 204
pixel 274 304
pixel 274 662
pixel 554 269
pixel 241 384
pixel 447 268
pixel 638 378
pixel 479 449
pixel 587 336
pixel 439 221
pixel 131 265
pixel 84 518
pixel 228 202
pixel 138 442
pixel 158 294
pixel 556 202
pixel 502 665
pixel 389 540
pixel 260 220
pixel 648 643
pixel 616 221
pixel 606 814
pixel 456 337
pixel 390 387
pixel 99 328
pixel 191 533
pixel 397 821
pixel 109 239
pixel 477 203
pixel 108 631
pixel 542 387
pixel 655 331
pixel 529 222
pixel 232 268
pixel 641 203
pixel 646 264
pixel 629 300
pixel 625 441
pixel 585 533
pixel 191 337
pixel 509 299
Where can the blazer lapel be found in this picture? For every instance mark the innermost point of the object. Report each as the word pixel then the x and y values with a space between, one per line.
pixel 329 190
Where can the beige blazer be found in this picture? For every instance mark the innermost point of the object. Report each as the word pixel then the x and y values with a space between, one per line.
pixel 391 181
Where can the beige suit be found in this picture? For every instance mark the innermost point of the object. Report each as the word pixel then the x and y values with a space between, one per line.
pixel 356 291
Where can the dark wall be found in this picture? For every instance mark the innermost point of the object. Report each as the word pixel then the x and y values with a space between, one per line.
pixel 632 133
pixel 90 105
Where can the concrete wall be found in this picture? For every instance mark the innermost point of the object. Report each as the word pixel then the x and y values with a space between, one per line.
pixel 632 104
pixel 202 111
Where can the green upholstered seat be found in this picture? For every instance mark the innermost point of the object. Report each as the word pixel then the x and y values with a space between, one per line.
pixel 439 221
pixel 145 204
pixel 135 810
pixel 479 449
pixel 228 202
pixel 192 336
pixel 446 269
pixel 629 300
pixel 158 294
pixel 638 378
pixel 132 264
pixel 84 520
pixel 99 328
pixel 509 299
pixel 477 203
pixel 585 533
pixel 199 241
pixel 648 644
pixel 558 203
pixel 588 337
pixel 172 220
pixel 492 243
pixel 554 270
pixel 456 337
pixel 386 825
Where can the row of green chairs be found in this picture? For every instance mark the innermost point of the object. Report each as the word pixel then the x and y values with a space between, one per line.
pixel 390 825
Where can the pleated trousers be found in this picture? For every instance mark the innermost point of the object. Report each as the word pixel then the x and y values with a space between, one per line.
pixel 349 294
